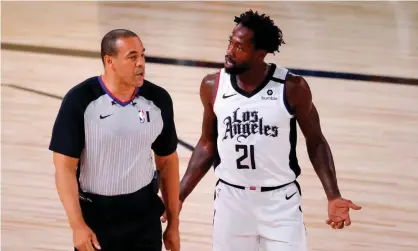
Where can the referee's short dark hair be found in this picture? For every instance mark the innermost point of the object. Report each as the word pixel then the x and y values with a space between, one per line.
pixel 108 45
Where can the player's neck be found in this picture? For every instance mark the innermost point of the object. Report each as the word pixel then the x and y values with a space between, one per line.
pixel 120 90
pixel 252 78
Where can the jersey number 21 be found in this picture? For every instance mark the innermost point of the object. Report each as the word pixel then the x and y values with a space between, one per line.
pixel 245 149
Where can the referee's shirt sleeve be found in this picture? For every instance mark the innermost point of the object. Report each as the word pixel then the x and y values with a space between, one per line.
pixel 166 142
pixel 68 130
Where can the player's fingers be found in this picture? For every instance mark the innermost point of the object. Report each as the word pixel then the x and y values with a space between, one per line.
pixel 95 242
pixel 354 206
pixel 164 218
pixel 340 225
pixel 336 218
pixel 347 221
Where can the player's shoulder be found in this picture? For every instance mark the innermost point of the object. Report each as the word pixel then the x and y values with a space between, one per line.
pixel 209 86
pixel 84 92
pixel 211 79
pixel 297 89
pixel 296 82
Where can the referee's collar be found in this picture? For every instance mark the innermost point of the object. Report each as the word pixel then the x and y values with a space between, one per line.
pixel 113 97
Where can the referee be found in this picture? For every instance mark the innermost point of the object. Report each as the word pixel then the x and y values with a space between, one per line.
pixel 106 133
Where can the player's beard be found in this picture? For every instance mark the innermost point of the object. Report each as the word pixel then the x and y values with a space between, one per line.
pixel 237 69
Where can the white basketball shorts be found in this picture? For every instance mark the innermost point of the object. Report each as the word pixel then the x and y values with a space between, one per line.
pixel 251 220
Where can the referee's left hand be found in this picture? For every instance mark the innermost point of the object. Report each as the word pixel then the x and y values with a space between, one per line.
pixel 171 238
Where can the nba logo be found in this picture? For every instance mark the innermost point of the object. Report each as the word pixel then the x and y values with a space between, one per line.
pixel 141 115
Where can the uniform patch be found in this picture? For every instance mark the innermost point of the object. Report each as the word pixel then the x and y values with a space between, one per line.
pixel 143 116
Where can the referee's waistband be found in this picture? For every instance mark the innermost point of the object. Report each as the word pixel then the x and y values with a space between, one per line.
pixel 140 193
pixel 255 188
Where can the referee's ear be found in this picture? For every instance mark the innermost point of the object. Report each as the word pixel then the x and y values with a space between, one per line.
pixel 108 61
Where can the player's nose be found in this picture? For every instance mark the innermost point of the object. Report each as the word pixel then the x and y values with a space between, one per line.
pixel 230 52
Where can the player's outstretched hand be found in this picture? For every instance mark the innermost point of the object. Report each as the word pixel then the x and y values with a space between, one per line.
pixel 338 212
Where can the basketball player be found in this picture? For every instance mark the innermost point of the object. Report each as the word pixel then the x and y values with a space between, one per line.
pixel 107 129
pixel 249 132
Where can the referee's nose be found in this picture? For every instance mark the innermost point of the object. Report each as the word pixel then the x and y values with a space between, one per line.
pixel 140 62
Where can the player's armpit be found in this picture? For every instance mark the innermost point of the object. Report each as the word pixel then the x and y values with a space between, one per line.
pixel 204 152
pixel 300 98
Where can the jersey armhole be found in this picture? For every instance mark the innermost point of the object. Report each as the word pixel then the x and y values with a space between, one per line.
pixel 216 89
pixel 285 102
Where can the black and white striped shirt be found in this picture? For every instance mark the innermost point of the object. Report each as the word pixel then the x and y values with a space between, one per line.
pixel 114 140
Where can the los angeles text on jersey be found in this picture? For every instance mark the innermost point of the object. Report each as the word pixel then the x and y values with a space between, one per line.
pixel 246 123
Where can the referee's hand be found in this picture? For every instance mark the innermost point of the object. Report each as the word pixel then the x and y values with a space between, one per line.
pixel 171 238
pixel 84 238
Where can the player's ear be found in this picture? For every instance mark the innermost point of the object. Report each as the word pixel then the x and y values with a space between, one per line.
pixel 261 54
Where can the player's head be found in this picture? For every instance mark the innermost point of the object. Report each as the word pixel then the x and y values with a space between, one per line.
pixel 254 36
pixel 122 54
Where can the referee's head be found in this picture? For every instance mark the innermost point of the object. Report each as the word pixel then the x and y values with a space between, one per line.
pixel 123 57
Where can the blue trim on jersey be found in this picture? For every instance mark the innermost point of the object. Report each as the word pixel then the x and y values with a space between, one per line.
pixel 113 97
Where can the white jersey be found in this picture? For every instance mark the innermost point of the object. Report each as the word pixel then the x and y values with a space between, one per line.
pixel 256 139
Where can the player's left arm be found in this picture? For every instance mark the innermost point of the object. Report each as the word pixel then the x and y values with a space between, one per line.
pixel 299 97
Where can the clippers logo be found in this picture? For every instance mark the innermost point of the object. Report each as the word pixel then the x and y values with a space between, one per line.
pixel 247 123
pixel 143 116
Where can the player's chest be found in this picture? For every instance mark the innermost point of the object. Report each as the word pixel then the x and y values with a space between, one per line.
pixel 242 110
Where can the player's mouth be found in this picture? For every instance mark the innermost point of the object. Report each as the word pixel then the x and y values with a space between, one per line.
pixel 229 62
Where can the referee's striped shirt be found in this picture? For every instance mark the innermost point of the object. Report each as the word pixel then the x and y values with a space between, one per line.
pixel 114 140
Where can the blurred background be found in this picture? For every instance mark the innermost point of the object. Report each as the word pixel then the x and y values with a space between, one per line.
pixel 360 59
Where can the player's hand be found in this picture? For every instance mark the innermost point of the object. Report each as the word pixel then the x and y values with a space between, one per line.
pixel 171 238
pixel 164 217
pixel 84 239
pixel 338 212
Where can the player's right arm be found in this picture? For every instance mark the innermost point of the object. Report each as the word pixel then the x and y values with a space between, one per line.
pixel 67 143
pixel 203 155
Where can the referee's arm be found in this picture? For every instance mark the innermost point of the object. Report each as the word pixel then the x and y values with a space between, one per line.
pixel 67 143
pixel 167 162
pixel 169 171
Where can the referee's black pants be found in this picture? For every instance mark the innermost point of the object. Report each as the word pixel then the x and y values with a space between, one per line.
pixel 125 222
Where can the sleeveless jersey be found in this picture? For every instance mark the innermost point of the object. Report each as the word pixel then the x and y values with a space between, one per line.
pixel 256 132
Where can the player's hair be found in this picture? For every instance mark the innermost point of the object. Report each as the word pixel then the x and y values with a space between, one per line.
pixel 267 36
pixel 108 44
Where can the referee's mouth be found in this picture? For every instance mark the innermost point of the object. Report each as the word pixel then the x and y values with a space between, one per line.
pixel 139 76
